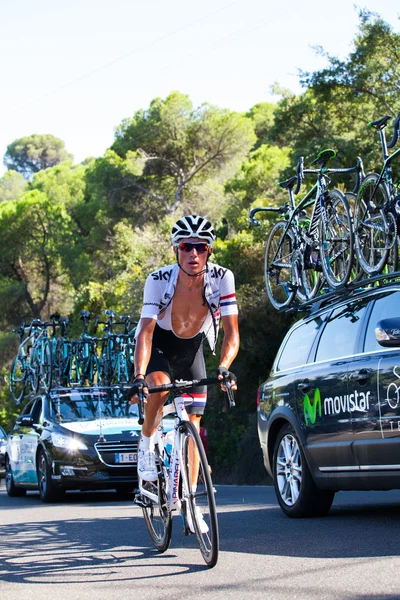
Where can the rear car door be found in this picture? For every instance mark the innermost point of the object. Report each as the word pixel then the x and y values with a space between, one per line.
pixel 24 440
pixel 375 372
pixel 322 390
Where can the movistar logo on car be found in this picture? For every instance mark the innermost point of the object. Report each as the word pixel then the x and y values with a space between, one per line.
pixel 334 405
pixel 311 407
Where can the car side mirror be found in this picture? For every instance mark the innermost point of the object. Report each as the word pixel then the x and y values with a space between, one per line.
pixel 387 332
pixel 25 421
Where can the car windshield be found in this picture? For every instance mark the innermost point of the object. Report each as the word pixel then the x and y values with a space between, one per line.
pixel 74 405
pixel 3 434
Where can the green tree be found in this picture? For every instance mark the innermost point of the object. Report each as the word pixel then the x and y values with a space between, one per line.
pixel 341 99
pixel 12 185
pixel 33 153
pixel 171 149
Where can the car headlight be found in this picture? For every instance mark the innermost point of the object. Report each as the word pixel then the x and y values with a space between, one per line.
pixel 69 443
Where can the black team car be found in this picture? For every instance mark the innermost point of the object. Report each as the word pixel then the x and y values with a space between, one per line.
pixel 329 413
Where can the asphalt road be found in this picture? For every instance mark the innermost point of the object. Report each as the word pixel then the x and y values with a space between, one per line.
pixel 94 546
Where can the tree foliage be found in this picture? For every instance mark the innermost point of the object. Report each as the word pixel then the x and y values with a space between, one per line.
pixel 33 153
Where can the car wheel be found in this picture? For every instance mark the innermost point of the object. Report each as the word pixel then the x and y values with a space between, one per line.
pixel 12 490
pixel 297 494
pixel 48 492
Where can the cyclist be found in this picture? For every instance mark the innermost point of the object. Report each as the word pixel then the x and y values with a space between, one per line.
pixel 182 305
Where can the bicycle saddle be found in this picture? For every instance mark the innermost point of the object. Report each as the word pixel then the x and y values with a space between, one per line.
pixel 288 184
pixel 380 123
pixel 324 156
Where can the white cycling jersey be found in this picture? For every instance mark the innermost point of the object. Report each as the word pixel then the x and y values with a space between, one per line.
pixel 219 293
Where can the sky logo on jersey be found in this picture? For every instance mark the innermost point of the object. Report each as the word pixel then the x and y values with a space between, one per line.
pixel 311 407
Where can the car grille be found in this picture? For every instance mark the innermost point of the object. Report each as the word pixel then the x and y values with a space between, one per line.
pixel 107 450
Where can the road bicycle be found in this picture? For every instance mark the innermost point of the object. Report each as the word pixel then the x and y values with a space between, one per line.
pixel 300 249
pixel 184 479
pixel 116 355
pixel 377 210
pixel 33 365
pixel 87 363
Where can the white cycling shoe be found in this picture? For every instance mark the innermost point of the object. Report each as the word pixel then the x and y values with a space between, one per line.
pixel 147 469
pixel 200 520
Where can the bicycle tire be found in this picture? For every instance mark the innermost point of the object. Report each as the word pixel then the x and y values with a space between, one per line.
pixel 336 240
pixel 310 278
pixel 158 517
pixel 200 499
pixel 47 366
pixel 372 242
pixel 278 266
pixel 356 272
pixel 61 364
pixel 18 379
pixel 35 365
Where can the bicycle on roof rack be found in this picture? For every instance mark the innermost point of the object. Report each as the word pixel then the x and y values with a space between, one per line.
pixel 33 366
pixel 302 253
pixel 377 210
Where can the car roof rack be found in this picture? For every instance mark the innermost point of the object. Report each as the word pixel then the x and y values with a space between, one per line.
pixel 331 297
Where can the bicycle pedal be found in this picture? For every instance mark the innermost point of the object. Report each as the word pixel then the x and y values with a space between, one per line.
pixel 139 501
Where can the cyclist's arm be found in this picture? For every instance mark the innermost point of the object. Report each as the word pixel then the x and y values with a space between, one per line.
pixel 230 342
pixel 144 342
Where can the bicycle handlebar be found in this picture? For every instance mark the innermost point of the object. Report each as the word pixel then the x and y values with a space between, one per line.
pixel 253 211
pixel 300 174
pixel 396 127
pixel 182 386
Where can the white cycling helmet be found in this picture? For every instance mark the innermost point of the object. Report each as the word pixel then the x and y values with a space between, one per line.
pixel 193 226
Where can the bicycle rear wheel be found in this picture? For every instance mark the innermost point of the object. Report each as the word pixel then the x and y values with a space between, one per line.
pixel 199 493
pixel 336 238
pixel 278 266
pixel 17 379
pixel 158 517
pixel 373 238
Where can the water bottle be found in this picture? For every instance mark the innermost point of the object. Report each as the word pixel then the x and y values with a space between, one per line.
pixel 168 441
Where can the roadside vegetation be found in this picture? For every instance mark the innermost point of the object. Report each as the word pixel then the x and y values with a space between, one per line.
pixel 86 235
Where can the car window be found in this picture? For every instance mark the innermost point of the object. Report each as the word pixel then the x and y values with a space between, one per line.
pixel 341 332
pixel 298 345
pixel 385 306
pixel 28 408
pixel 2 433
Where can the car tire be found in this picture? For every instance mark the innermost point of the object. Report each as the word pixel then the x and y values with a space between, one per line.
pixel 48 492
pixel 12 490
pixel 297 494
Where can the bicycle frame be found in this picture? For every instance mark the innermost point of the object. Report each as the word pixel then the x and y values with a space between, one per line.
pixel 174 461
pixel 386 171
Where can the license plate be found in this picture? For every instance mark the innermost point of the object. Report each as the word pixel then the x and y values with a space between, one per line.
pixel 125 457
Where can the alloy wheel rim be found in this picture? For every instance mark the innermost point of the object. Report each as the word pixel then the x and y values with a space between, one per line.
pixel 42 473
pixel 289 470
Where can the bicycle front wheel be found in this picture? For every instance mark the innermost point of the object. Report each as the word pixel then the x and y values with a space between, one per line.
pixel 336 239
pixel 158 517
pixel 199 492
pixel 18 379
pixel 278 266
pixel 373 236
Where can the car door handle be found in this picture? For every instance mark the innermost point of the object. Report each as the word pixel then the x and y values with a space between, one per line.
pixel 304 386
pixel 362 375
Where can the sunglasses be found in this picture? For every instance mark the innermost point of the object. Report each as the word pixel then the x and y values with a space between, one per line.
pixel 189 246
